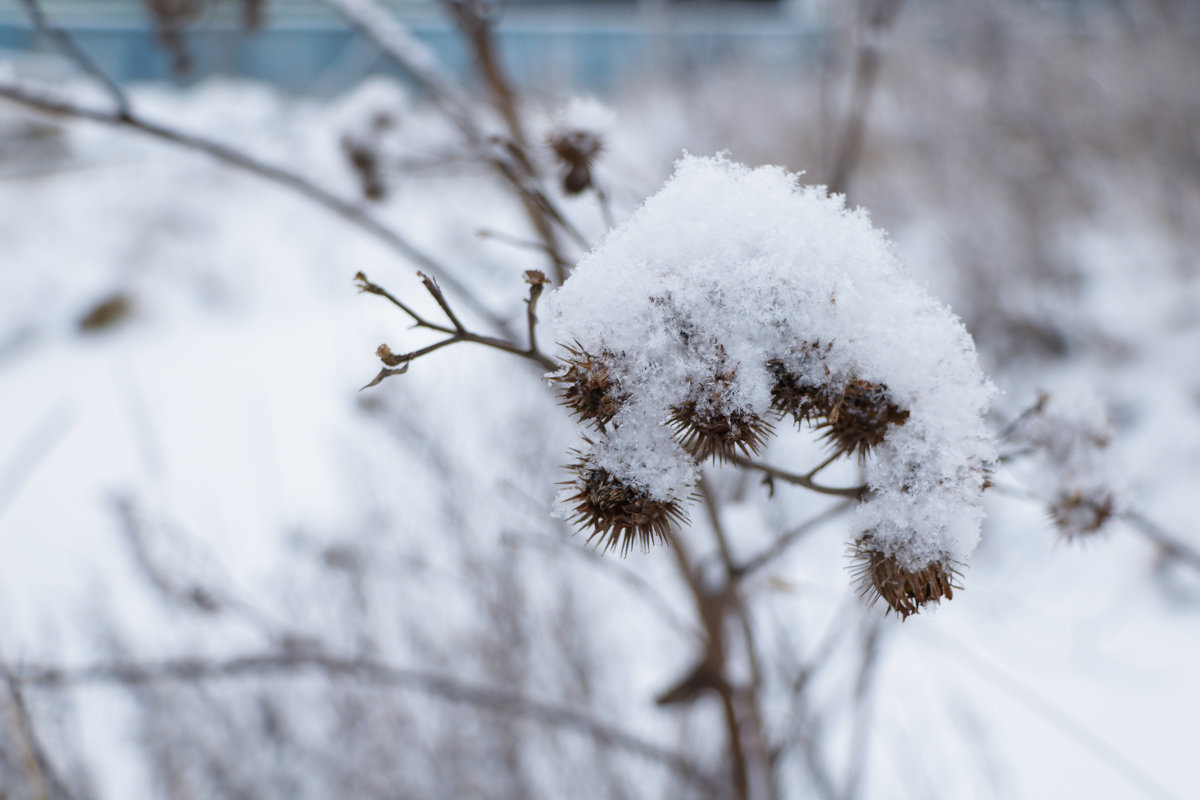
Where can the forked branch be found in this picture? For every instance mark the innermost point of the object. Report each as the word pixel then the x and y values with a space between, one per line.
pixel 397 364
pixel 47 103
pixel 855 492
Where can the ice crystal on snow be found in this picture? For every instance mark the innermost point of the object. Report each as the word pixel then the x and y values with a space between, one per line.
pixel 736 295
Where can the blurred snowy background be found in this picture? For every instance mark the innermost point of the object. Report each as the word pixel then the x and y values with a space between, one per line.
pixel 227 572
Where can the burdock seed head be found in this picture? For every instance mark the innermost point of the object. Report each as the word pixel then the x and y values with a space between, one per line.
pixel 616 514
pixel 1078 514
pixel 708 430
pixel 588 386
pixel 709 427
pixel 859 416
pixel 905 591
pixel 790 395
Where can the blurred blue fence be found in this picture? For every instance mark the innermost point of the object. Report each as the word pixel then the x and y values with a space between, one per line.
pixel 581 49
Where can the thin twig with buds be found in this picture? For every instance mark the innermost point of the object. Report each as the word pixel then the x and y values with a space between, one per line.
pixel 398 364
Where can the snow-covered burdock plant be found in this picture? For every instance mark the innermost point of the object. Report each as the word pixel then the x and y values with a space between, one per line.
pixel 735 298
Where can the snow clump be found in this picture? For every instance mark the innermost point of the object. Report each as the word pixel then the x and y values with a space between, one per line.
pixel 735 296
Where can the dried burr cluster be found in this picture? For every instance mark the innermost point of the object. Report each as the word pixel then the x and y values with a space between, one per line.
pixel 853 417
pixel 761 301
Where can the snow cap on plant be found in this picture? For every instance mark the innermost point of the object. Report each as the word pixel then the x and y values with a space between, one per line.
pixel 740 293
pixel 709 425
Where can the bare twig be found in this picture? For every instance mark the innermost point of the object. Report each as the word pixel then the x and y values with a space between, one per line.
pixel 515 241
pixel 863 707
pixel 780 545
pixel 189 594
pixel 617 569
pixel 731 574
pixel 46 783
pixel 517 170
pixel 1035 408
pixel 749 726
pixel 32 450
pixel 537 283
pixel 411 55
pixel 709 673
pixel 605 203
pixel 1171 546
pixel 365 285
pixel 432 287
pixel 804 729
pixel 67 44
pixel 397 364
pixel 190 670
pixel 351 212
pixel 474 20
pixel 855 492
pixel 878 19
pixel 834 456
pixel 506 157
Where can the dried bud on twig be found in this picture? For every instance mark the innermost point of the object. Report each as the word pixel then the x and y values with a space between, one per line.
pixel 364 160
pixel 617 513
pixel 577 138
pixel 575 151
pixel 906 591
pixel 535 277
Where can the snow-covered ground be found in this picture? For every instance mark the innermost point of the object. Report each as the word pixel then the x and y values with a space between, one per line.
pixel 214 428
